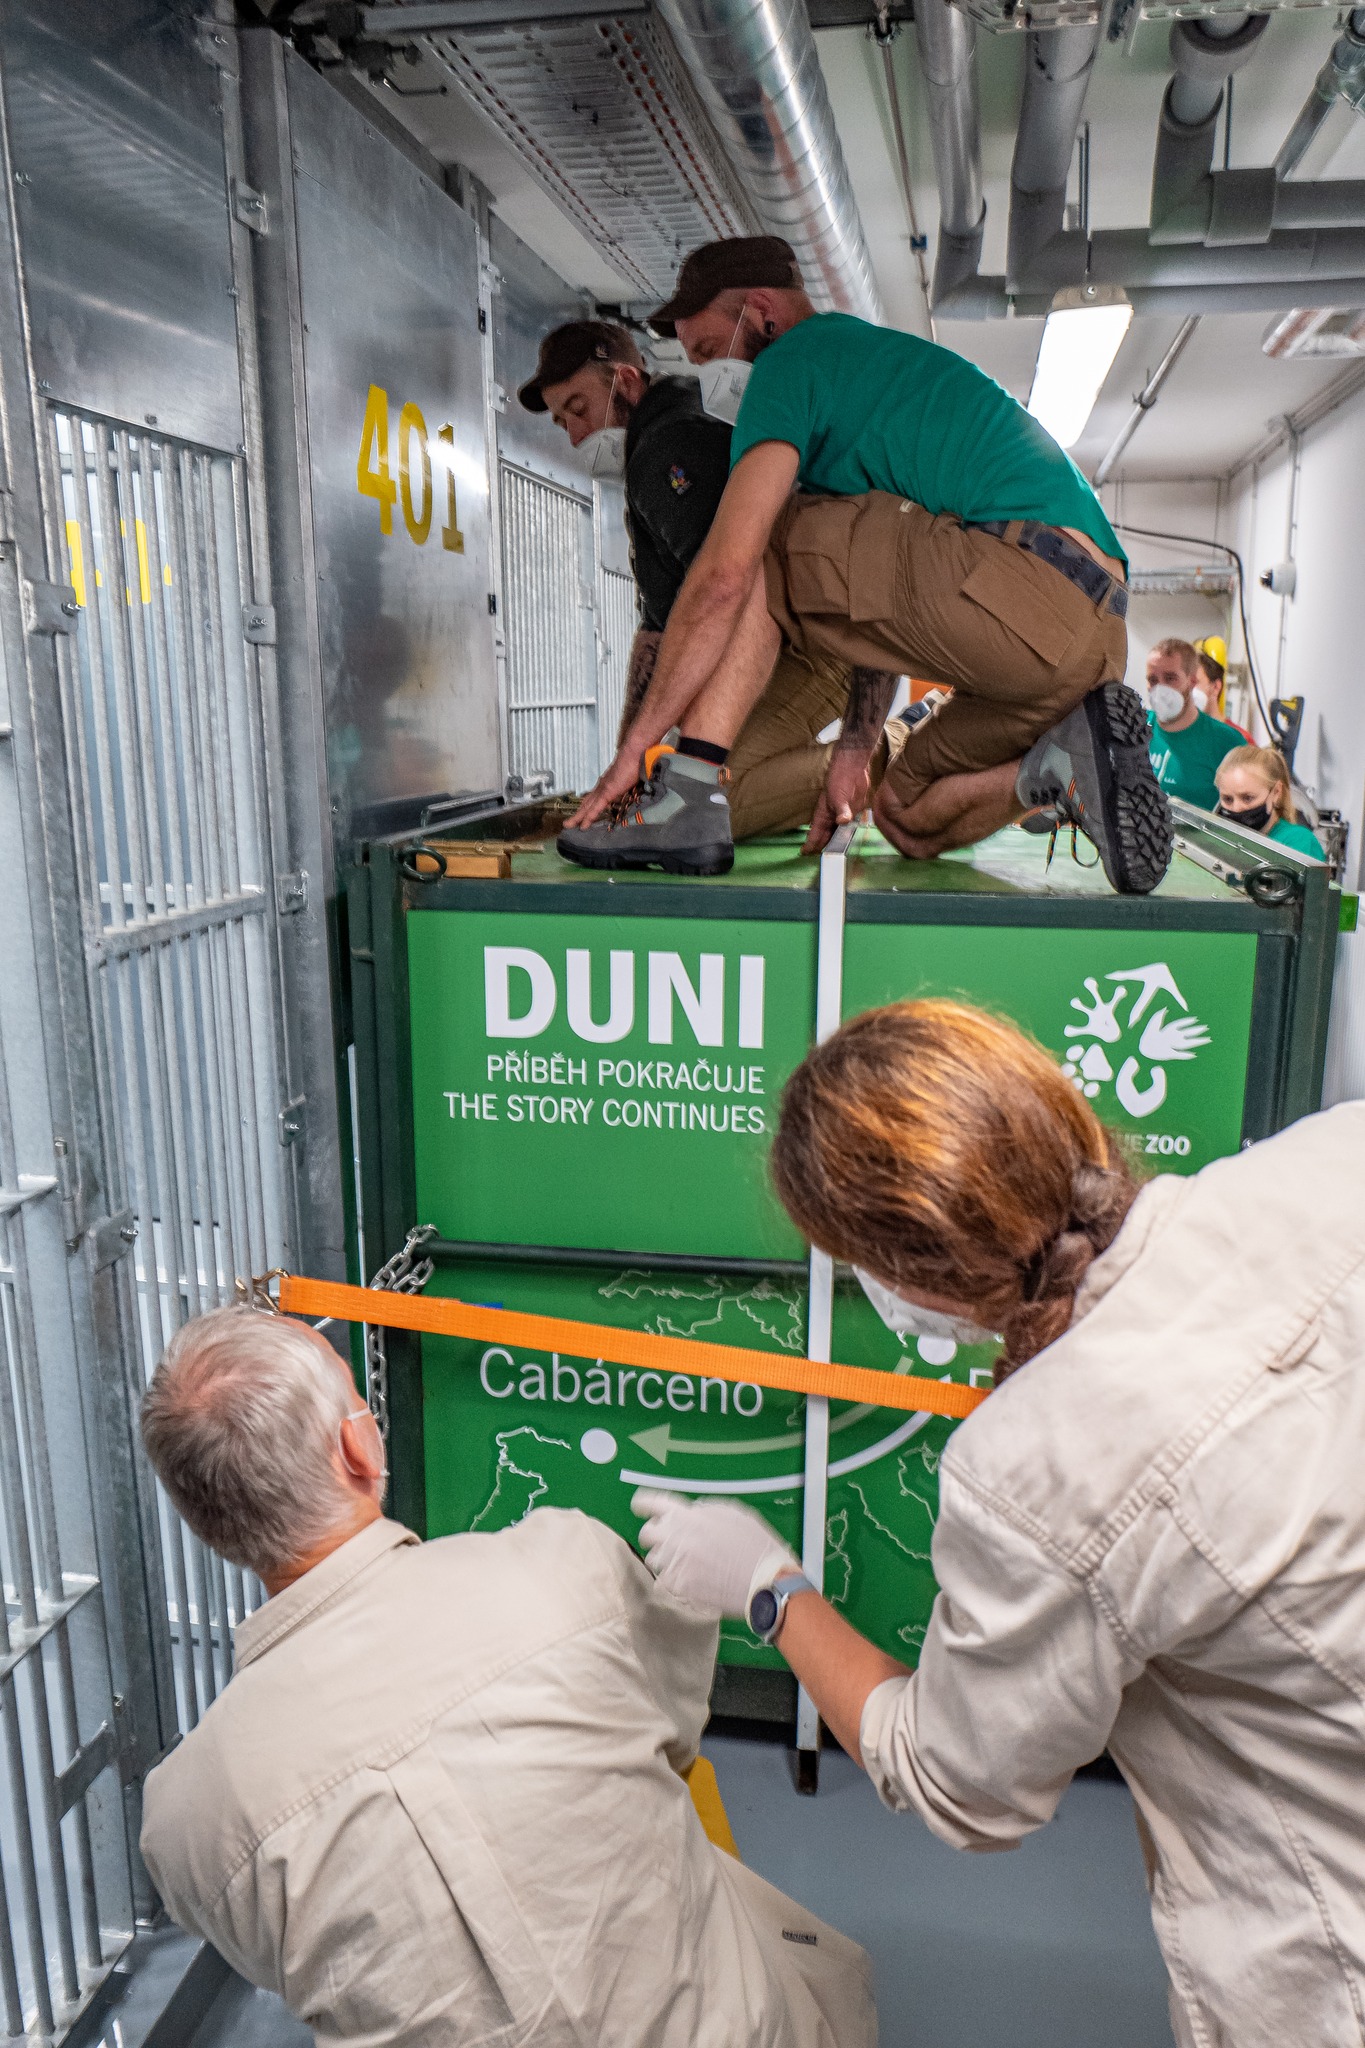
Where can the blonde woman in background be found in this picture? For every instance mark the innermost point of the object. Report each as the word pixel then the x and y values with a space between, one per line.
pixel 1150 1537
pixel 1254 791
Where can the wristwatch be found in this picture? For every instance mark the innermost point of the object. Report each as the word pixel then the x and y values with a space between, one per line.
pixel 769 1604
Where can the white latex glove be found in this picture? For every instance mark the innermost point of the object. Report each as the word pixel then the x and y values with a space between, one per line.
pixel 714 1554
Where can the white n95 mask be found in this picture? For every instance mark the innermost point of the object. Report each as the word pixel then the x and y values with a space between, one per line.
pixel 1166 702
pixel 605 451
pixel 908 1319
pixel 722 387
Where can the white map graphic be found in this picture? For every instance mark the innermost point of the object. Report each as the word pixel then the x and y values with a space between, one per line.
pixel 882 1506
pixel 778 1310
pixel 1137 1065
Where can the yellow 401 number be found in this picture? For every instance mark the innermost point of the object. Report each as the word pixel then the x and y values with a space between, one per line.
pixel 374 477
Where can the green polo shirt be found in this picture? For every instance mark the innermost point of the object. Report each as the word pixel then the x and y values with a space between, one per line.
pixel 869 409
pixel 1297 837
pixel 1185 762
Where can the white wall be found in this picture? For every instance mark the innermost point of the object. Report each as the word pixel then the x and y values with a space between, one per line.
pixel 1197 508
pixel 1311 646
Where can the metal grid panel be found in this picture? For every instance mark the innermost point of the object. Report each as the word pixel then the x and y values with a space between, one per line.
pixel 604 115
pixel 552 717
pixel 167 770
pixel 618 615
pixel 65 1910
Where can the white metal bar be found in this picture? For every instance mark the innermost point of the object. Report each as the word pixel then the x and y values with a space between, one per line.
pixel 829 996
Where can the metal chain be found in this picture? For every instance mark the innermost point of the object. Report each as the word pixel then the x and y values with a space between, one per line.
pixel 404 1273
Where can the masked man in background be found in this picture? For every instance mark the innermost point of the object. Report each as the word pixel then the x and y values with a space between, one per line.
pixel 661 436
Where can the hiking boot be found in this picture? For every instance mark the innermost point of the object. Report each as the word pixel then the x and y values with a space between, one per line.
pixel 678 819
pixel 1093 771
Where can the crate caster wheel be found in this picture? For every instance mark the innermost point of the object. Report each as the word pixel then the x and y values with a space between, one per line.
pixel 808 1772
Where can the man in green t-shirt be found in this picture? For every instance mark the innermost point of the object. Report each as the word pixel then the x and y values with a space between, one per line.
pixel 1186 744
pixel 939 532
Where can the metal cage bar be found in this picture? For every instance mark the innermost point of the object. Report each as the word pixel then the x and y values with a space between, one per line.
pixel 165 754
pixel 552 686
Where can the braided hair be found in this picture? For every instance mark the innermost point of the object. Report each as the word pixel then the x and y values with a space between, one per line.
pixel 943 1150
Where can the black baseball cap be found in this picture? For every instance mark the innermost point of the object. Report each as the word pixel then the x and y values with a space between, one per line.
pixel 566 349
pixel 742 263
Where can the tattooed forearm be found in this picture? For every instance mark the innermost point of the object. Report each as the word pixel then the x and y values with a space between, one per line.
pixel 644 652
pixel 869 700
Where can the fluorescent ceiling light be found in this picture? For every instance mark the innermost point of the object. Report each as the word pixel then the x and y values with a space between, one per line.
pixel 1080 342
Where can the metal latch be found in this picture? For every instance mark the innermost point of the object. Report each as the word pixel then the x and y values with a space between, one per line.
pixel 90 1759
pixel 50 608
pixel 291 893
pixel 291 1121
pixel 258 624
pixel 31 1188
pixel 111 1238
pixel 249 207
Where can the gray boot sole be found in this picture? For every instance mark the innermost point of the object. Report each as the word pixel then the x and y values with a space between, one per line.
pixel 702 860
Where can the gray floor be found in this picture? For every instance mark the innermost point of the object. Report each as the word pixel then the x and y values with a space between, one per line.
pixel 1047 1946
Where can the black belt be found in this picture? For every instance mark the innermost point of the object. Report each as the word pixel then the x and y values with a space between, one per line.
pixel 1060 552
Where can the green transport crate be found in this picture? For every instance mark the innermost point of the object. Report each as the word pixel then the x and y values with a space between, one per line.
pixel 574 1078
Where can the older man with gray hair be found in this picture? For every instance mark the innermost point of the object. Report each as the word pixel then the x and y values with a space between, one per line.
pixel 440 1801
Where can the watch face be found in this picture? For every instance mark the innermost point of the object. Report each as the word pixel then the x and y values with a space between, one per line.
pixel 763 1611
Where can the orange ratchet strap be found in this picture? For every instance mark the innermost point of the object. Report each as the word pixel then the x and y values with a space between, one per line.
pixel 439 1316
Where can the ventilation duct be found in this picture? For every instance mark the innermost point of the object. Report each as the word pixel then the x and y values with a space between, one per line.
pixel 755 66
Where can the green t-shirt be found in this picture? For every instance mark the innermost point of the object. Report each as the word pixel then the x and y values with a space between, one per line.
pixel 1185 761
pixel 1297 837
pixel 870 409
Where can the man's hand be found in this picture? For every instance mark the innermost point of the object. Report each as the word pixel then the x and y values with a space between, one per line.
pixel 714 1554
pixel 621 776
pixel 846 792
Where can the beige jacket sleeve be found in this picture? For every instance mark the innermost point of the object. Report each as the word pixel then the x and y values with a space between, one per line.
pixel 675 1646
pixel 1019 1683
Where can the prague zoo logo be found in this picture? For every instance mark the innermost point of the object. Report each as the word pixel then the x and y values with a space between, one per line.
pixel 1132 1046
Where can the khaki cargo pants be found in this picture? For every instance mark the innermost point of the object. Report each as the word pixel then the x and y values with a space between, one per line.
pixel 878 582
pixel 777 766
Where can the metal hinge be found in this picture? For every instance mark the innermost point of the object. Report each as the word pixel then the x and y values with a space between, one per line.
pixel 291 1121
pixel 110 1238
pixel 50 608
pixel 69 1182
pixel 258 624
pixel 249 207
pixel 291 893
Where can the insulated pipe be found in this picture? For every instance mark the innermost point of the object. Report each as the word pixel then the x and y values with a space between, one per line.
pixel 1200 52
pixel 1124 256
pixel 946 40
pixel 1342 77
pixel 1205 54
pixel 755 65
pixel 1057 73
pixel 1146 398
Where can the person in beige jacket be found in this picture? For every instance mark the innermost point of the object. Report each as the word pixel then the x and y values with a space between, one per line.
pixel 439 1802
pixel 1150 1537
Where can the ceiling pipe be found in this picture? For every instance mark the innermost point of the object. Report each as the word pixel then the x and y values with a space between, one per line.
pixel 1205 54
pixel 946 41
pixel 1146 398
pixel 755 65
pixel 1323 258
pixel 1342 77
pixel 884 34
pixel 1056 77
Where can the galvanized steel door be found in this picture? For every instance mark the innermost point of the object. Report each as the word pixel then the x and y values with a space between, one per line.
pixel 165 742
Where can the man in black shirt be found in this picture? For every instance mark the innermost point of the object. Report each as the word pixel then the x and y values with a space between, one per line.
pixel 675 459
